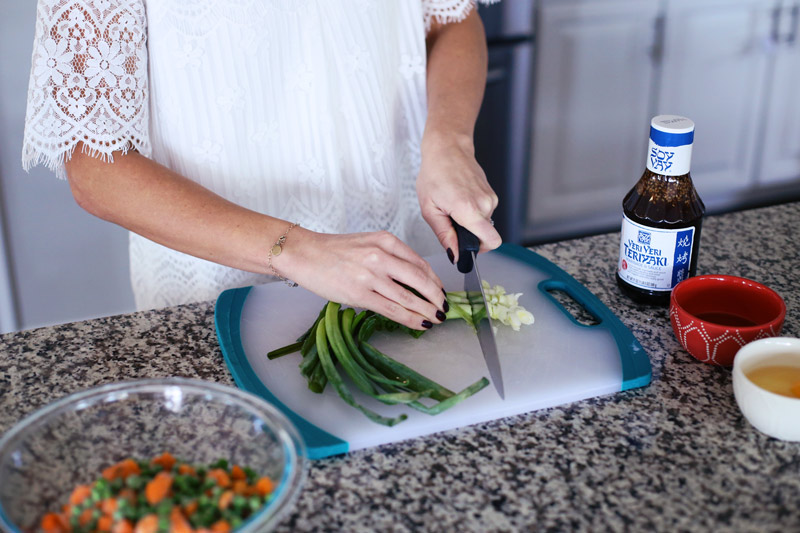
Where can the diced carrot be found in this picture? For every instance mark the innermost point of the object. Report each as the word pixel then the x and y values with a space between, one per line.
pixel 186 470
pixel 240 487
pixel 110 472
pixel 265 486
pixel 51 523
pixel 220 476
pixel 129 467
pixel 158 488
pixel 225 499
pixel 109 506
pixel 237 473
pixel 147 524
pixel 123 526
pixel 190 508
pixel 165 460
pixel 80 493
pixel 122 469
pixel 127 494
pixel 86 516
pixel 104 523
pixel 178 522
pixel 221 526
pixel 65 525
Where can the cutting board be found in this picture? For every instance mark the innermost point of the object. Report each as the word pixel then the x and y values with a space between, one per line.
pixel 556 360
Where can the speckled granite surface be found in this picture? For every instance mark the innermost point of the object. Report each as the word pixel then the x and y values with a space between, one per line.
pixel 674 456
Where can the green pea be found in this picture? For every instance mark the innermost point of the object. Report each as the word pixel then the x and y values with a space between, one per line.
pixel 134 482
pixel 255 503
pixel 239 501
pixel 164 507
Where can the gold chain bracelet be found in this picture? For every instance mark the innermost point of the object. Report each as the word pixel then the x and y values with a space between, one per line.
pixel 276 250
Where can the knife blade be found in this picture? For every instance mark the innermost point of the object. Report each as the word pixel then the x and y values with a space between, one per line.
pixel 468 246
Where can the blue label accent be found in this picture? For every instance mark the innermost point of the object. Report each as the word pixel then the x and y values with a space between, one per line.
pixel 683 255
pixel 665 139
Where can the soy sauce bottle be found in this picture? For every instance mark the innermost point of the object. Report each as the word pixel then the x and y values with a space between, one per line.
pixel 662 216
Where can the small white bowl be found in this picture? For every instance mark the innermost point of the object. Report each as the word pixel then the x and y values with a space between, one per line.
pixel 773 414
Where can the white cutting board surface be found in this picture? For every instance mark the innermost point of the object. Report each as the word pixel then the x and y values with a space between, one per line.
pixel 551 362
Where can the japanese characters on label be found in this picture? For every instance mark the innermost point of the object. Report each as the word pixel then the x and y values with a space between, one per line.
pixel 653 258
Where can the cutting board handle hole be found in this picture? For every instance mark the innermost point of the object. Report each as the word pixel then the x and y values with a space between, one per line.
pixel 572 307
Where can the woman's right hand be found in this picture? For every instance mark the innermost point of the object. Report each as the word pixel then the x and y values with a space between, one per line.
pixel 363 270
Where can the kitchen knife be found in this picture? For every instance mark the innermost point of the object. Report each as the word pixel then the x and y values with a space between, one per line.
pixel 468 246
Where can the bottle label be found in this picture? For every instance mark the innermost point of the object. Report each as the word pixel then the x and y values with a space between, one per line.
pixel 669 160
pixel 653 258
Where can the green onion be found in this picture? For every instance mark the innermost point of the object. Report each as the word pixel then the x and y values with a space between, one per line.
pixel 338 338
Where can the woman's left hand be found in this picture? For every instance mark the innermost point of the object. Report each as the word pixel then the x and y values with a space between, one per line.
pixel 452 184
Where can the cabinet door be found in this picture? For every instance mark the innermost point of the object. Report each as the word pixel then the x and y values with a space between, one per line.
pixel 593 81
pixel 716 54
pixel 780 159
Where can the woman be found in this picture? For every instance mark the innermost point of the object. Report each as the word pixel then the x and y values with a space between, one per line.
pixel 244 140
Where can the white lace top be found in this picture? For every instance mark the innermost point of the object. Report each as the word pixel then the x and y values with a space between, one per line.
pixel 308 110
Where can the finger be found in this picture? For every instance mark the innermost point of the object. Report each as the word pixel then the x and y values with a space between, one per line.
pixel 421 276
pixel 484 230
pixel 409 300
pixel 439 222
pixel 433 298
pixel 394 311
pixel 487 234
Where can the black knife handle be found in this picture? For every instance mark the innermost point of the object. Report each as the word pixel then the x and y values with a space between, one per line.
pixel 467 243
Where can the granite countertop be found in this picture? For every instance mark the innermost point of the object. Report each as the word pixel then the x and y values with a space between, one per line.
pixel 676 455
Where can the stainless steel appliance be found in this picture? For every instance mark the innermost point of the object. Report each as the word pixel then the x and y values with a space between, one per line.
pixel 502 132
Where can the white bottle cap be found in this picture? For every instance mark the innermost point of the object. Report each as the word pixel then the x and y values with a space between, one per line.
pixel 670 148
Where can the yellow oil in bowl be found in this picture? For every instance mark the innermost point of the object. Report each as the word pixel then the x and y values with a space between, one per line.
pixel 780 379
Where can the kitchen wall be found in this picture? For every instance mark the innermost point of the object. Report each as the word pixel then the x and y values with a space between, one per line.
pixel 57 263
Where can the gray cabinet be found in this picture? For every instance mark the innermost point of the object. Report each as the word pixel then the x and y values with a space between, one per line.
pixel 593 81
pixel 714 71
pixel 780 157
pixel 605 67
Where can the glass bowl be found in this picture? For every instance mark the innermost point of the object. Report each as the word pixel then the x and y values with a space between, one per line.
pixel 70 441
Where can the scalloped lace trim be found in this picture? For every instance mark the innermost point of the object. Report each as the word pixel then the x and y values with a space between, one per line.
pixel 448 11
pixel 88 82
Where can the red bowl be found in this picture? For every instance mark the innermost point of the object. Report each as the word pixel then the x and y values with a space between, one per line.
pixel 713 316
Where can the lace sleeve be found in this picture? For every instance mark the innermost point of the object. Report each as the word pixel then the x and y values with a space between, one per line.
pixel 88 81
pixel 447 11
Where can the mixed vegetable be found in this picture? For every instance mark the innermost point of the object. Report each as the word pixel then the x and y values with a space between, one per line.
pixel 339 339
pixel 163 495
